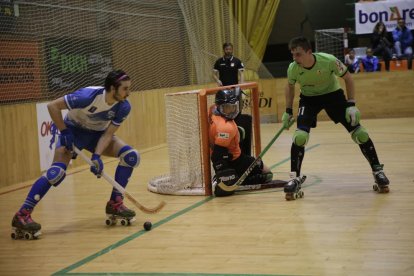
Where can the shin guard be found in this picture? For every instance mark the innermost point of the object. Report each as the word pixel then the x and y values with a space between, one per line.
pixel 368 149
pixel 123 172
pixel 296 154
pixel 38 190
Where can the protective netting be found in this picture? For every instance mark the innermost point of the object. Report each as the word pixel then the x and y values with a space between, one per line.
pixel 52 47
pixel 330 41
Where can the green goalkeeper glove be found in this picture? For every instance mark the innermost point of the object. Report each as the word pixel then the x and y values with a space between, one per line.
pixel 352 114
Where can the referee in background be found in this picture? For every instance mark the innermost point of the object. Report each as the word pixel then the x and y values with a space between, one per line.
pixel 228 70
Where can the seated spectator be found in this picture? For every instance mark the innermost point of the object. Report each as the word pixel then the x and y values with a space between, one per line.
pixel 352 62
pixel 403 40
pixel 370 62
pixel 382 43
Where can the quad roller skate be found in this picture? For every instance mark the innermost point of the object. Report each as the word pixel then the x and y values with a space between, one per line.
pixel 293 188
pixel 381 181
pixel 116 210
pixel 24 227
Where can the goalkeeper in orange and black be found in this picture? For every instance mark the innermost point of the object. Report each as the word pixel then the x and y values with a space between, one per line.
pixel 229 162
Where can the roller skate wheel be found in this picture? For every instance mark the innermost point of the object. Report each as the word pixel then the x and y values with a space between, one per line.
pixel 384 190
pixel 289 197
pixel 110 222
pixel 375 187
pixel 124 222
pixel 301 194
pixel 14 236
pixel 28 236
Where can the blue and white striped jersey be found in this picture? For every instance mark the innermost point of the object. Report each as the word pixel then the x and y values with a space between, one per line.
pixel 88 109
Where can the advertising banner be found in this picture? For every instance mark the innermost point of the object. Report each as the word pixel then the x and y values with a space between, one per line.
pixel 44 123
pixel 19 70
pixel 267 100
pixel 367 14
pixel 75 63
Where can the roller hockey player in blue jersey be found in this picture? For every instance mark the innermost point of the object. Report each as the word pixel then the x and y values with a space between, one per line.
pixel 95 114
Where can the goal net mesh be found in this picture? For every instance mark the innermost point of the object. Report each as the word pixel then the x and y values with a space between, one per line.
pixel 330 41
pixel 184 147
pixel 185 144
pixel 53 47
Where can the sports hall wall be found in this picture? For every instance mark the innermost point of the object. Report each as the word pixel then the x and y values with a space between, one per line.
pixel 36 35
pixel 379 95
pixel 51 48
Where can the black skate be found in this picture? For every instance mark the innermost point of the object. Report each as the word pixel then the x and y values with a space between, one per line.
pixel 116 210
pixel 24 227
pixel 293 189
pixel 381 181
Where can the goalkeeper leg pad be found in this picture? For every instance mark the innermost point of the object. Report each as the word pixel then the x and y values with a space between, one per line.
pixel 228 177
pixel 56 173
pixel 360 135
pixel 260 178
pixel 220 158
pixel 129 157
pixel 300 138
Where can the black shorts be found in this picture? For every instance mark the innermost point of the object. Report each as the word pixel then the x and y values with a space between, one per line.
pixel 241 164
pixel 334 103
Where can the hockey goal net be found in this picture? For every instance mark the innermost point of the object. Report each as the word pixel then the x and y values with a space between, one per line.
pixel 331 41
pixel 187 139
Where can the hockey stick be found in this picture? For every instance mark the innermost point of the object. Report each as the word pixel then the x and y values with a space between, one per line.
pixel 120 188
pixel 255 162
pixel 268 185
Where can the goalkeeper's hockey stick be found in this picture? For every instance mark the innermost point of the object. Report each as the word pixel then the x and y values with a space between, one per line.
pixel 254 163
pixel 267 185
pixel 117 186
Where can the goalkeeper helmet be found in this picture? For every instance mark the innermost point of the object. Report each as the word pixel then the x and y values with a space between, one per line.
pixel 227 104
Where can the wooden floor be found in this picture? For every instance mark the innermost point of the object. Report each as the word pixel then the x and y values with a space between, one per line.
pixel 340 227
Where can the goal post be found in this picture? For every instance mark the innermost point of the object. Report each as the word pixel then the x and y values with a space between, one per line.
pixel 188 139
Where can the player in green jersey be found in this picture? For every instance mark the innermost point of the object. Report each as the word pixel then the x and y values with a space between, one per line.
pixel 317 75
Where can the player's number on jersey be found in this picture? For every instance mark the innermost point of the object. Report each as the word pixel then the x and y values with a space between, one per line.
pixel 301 110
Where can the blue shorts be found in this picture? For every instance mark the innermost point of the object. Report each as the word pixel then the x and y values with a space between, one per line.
pixel 84 139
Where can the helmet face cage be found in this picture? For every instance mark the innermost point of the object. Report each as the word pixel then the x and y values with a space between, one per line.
pixel 227 104
pixel 229 110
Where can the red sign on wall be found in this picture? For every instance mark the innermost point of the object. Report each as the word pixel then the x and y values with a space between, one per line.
pixel 19 71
